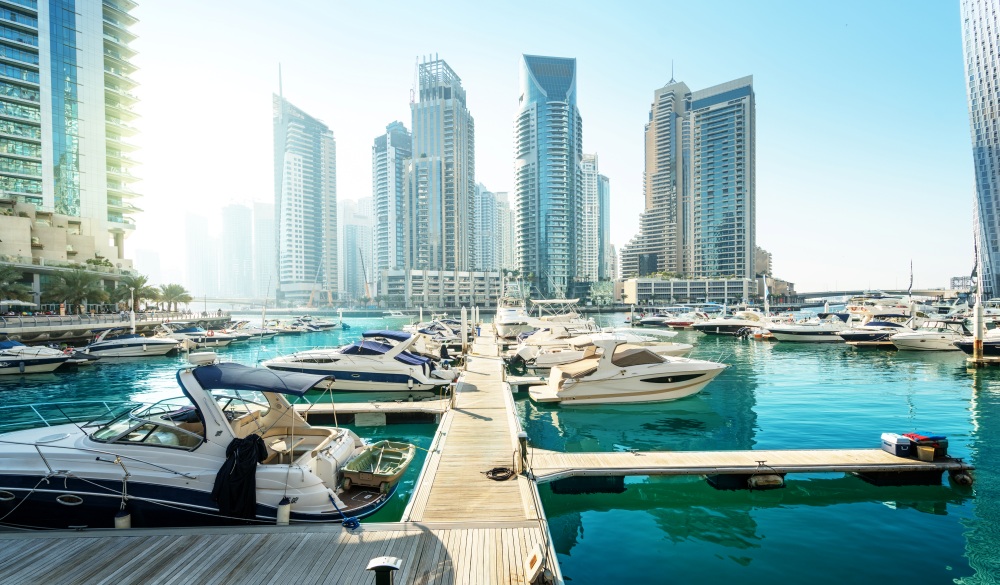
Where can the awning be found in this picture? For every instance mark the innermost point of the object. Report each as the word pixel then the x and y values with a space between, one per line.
pixel 239 377
pixel 17 303
pixel 394 335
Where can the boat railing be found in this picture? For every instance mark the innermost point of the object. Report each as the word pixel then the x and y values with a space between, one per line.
pixel 115 458
pixel 52 413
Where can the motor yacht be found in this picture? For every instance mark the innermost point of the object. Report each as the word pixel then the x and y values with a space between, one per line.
pixel 17 358
pixel 284 327
pixel 621 373
pixel 512 317
pixel 182 331
pixel 158 465
pixel 824 327
pixel 123 342
pixel 379 361
pixel 244 328
pixel 731 325
pixel 394 315
pixel 991 343
pixel 544 357
pixel 932 335
pixel 876 331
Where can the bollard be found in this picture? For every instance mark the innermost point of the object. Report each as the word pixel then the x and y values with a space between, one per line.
pixel 522 441
pixel 384 568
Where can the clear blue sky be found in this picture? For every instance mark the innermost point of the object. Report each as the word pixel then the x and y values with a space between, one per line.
pixel 863 150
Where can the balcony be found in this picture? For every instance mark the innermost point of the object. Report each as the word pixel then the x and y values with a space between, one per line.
pixel 117 30
pixel 120 76
pixel 118 11
pixel 120 111
pixel 117 125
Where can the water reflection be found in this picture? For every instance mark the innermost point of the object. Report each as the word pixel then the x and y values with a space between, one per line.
pixel 982 546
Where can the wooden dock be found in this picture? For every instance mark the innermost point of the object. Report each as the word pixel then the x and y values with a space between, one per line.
pixel 552 466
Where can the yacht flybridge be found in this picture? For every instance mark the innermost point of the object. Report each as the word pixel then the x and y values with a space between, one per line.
pixel 511 319
pixel 159 464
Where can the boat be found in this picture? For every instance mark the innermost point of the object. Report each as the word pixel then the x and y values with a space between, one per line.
pixel 991 343
pixel 379 361
pixel 624 374
pixel 825 327
pixel 685 320
pixel 244 328
pixel 182 331
pixel 568 350
pixel 876 331
pixel 560 312
pixel 394 315
pixel 379 465
pixel 512 317
pixel 932 335
pixel 284 327
pixel 158 465
pixel 122 342
pixel 741 320
pixel 17 358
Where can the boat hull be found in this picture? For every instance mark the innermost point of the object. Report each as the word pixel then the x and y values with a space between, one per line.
pixel 131 350
pixel 719 329
pixel 512 330
pixel 990 348
pixel 807 335
pixel 653 387
pixel 925 344
pixel 354 381
pixel 15 366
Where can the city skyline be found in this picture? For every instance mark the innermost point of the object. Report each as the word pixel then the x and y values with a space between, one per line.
pixel 864 152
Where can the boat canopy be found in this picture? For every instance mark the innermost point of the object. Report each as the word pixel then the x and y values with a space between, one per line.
pixel 845 317
pixel 239 377
pixel 10 344
pixel 394 335
pixel 378 348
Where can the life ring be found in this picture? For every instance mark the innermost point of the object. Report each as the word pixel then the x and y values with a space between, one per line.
pixel 211 333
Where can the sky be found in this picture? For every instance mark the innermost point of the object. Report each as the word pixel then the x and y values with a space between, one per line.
pixel 863 151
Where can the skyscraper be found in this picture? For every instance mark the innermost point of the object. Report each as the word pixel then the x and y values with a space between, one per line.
pixel 588 244
pixel 606 250
pixel 981 31
pixel 548 146
pixel 505 225
pixel 700 215
pixel 356 247
pixel 236 274
pixel 264 251
pixel 389 154
pixel 69 60
pixel 486 232
pixel 305 203
pixel 202 267
pixel 440 179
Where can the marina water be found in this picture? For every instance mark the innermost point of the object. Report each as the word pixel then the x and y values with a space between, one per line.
pixel 820 528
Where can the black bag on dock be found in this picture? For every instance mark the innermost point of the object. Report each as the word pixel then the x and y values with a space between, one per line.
pixel 236 483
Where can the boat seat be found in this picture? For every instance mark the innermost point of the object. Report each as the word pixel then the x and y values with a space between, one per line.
pixel 246 424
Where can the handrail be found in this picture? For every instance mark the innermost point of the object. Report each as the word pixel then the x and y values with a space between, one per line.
pixel 33 407
pixel 38 446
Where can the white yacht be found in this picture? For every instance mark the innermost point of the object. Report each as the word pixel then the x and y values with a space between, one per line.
pixel 933 335
pixel 512 317
pixel 824 327
pixel 876 331
pixel 161 465
pixel 182 331
pixel 568 350
pixel 741 320
pixel 379 361
pixel 124 342
pixel 245 328
pixel 624 374
pixel 17 358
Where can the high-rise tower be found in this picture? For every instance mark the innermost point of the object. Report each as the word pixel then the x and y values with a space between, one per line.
pixel 982 64
pixel 389 154
pixel 440 178
pixel 305 203
pixel 588 244
pixel 548 147
pixel 71 61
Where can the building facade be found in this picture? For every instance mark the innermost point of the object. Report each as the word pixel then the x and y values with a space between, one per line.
pixel 588 242
pixel 389 154
pixel 605 261
pixel 438 288
pixel 548 150
pixel 203 268
pixel 356 248
pixel 65 112
pixel 981 47
pixel 699 183
pixel 507 237
pixel 264 251
pixel 236 267
pixel 440 178
pixel 305 204
pixel 762 261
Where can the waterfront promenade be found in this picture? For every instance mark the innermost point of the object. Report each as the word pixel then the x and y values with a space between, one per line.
pixel 45 329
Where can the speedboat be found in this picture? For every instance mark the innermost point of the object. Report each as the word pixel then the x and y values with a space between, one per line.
pixel 512 317
pixel 824 327
pixel 394 315
pixel 685 320
pixel 877 330
pixel 741 320
pixel 284 327
pixel 181 331
pixel 246 332
pixel 191 461
pixel 122 342
pixel 313 324
pixel 625 374
pixel 379 361
pixel 991 343
pixel 545 357
pixel 17 358
pixel 939 335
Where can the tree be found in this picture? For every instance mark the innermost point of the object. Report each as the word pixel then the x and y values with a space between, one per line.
pixel 76 288
pixel 11 286
pixel 171 294
pixel 143 290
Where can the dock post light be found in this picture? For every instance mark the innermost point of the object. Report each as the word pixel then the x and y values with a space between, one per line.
pixel 384 568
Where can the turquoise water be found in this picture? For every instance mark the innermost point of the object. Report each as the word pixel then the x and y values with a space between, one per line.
pixel 822 528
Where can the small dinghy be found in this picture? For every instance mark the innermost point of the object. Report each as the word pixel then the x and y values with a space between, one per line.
pixel 378 465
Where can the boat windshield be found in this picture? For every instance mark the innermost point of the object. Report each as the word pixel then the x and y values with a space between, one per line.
pixel 174 422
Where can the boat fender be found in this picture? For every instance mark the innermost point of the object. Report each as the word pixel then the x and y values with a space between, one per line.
pixel 123 519
pixel 961 477
pixel 20 367
pixel 284 511
pixel 211 333
pixel 766 481
pixel 409 383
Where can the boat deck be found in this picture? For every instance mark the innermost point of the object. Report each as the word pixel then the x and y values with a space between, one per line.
pixel 551 465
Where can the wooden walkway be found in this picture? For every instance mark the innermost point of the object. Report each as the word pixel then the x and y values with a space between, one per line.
pixel 468 553
pixel 551 465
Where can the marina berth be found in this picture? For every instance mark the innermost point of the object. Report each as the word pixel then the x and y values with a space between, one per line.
pixel 625 374
pixel 230 449
pixel 933 335
pixel 379 361
pixel 17 358
pixel 117 342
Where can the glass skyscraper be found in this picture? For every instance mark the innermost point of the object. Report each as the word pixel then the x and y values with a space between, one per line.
pixel 71 60
pixel 982 64
pixel 305 203
pixel 389 154
pixel 548 150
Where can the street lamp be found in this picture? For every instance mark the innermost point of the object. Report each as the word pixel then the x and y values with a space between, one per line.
pixel 131 291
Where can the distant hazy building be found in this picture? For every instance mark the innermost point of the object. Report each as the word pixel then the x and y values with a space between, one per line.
pixel 147 262
pixel 389 154
pixel 762 261
pixel 699 182
pixel 981 30
pixel 264 251
pixel 606 261
pixel 440 179
pixel 613 271
pixel 236 262
pixel 505 225
pixel 356 248
pixel 548 143
pixel 202 260
pixel 66 110
pixel 305 203
pixel 588 243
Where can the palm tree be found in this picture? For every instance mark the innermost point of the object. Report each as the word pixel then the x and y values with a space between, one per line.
pixel 171 294
pixel 75 288
pixel 143 290
pixel 11 286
